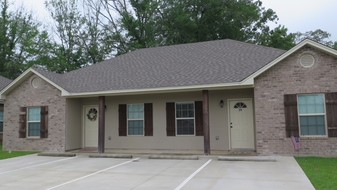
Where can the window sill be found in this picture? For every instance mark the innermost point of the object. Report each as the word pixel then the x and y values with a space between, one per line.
pixel 185 135
pixel 135 135
pixel 314 138
pixel 33 138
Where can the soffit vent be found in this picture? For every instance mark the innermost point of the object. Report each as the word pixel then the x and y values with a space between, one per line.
pixel 36 82
pixel 307 60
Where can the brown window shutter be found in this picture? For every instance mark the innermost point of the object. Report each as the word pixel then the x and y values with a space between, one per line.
pixel 331 113
pixel 23 122
pixel 199 119
pixel 44 122
pixel 170 119
pixel 148 119
pixel 122 120
pixel 291 115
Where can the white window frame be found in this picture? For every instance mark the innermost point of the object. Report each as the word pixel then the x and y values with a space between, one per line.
pixel 127 118
pixel 2 121
pixel 312 114
pixel 28 122
pixel 182 118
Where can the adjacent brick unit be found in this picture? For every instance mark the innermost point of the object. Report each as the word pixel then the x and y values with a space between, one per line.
pixel 26 95
pixel 289 77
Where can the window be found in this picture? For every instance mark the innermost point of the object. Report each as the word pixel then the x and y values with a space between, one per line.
pixel 135 119
pixel 135 116
pixel 34 122
pixel 311 111
pixel 1 121
pixel 185 118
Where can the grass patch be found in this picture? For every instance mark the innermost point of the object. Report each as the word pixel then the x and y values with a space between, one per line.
pixel 6 154
pixel 322 172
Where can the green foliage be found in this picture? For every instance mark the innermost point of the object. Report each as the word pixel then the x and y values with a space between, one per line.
pixel 150 23
pixel 278 38
pixel 22 42
pixel 68 52
pixel 322 172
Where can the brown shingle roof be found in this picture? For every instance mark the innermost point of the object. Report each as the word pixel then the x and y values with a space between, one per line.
pixel 4 82
pixel 203 63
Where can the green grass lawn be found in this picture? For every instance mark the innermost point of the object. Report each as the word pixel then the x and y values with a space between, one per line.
pixel 6 154
pixel 322 172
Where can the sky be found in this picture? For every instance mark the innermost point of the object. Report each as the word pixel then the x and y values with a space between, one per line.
pixel 296 15
pixel 306 15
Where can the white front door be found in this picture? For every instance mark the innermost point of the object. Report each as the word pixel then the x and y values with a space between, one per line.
pixel 91 126
pixel 241 124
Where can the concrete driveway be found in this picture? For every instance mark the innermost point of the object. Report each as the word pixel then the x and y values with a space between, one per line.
pixel 82 172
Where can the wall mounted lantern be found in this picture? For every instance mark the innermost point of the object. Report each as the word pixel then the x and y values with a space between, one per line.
pixel 221 103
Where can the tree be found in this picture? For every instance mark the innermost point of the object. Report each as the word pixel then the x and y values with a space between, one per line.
pixel 68 27
pixel 317 35
pixel 22 42
pixel 147 23
pixel 130 24
pixel 278 38
pixel 81 40
pixel 203 20
pixel 95 39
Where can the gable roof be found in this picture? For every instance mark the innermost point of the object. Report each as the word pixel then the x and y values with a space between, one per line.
pixel 306 42
pixel 29 72
pixel 205 65
pixel 177 66
pixel 4 82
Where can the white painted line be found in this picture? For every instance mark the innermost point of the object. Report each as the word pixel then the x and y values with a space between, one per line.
pixel 37 165
pixel 86 176
pixel 192 175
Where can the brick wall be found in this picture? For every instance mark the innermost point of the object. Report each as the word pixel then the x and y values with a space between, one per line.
pixel 289 77
pixel 26 95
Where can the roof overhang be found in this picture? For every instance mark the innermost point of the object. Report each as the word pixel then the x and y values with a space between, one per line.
pixel 305 42
pixel 224 86
pixel 29 72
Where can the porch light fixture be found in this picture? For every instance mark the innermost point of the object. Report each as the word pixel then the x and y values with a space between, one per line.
pixel 221 103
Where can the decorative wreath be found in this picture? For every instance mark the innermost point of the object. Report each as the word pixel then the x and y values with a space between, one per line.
pixel 92 114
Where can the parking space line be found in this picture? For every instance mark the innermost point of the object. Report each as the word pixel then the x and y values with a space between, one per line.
pixel 86 176
pixel 36 165
pixel 192 175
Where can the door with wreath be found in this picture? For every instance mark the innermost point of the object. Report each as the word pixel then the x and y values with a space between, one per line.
pixel 90 126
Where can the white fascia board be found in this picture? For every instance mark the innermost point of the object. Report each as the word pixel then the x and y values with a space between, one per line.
pixel 331 51
pixel 223 86
pixel 25 75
